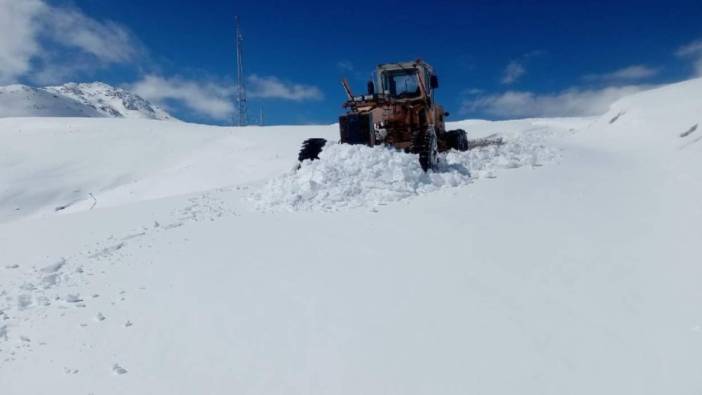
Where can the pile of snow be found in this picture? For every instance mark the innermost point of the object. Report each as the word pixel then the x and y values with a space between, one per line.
pixel 76 100
pixel 349 176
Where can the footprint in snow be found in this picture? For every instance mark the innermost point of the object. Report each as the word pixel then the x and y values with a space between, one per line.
pixel 108 251
pixel 54 267
pixel 50 280
pixel 70 371
pixel 118 370
pixel 689 131
pixel 616 118
pixel 173 225
pixel 73 298
pixel 133 236
pixel 24 301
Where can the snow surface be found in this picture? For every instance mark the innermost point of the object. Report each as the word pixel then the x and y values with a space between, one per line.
pixel 76 100
pixel 190 259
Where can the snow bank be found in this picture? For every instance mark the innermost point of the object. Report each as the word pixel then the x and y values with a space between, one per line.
pixel 350 176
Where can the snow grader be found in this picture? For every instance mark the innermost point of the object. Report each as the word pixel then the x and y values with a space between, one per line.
pixel 399 110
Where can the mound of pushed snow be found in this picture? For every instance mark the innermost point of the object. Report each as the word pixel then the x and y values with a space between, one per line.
pixel 94 100
pixel 350 176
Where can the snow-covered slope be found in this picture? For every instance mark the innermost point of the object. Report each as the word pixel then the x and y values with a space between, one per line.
pixel 110 101
pixel 59 162
pixel 23 101
pixel 194 260
pixel 76 100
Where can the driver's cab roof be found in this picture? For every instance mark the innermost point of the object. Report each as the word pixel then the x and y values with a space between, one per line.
pixel 404 66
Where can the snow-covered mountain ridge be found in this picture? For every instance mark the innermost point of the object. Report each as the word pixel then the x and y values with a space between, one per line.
pixel 94 100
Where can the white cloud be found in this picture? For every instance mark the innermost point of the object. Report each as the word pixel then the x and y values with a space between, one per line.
pixel 693 48
pixel 693 51
pixel 472 91
pixel 215 100
pixel 631 73
pixel 273 88
pixel 107 41
pixel 18 37
pixel 207 99
pixel 348 69
pixel 52 71
pixel 698 67
pixel 571 102
pixel 30 31
pixel 345 65
pixel 513 72
pixel 516 69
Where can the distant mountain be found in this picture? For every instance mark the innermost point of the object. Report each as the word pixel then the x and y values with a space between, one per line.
pixel 93 100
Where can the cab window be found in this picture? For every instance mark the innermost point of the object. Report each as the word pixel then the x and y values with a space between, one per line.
pixel 403 84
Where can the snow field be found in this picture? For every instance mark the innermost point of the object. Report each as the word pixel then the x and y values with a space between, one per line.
pixel 208 267
pixel 57 286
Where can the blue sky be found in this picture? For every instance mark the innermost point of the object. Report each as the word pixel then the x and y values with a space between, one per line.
pixel 495 59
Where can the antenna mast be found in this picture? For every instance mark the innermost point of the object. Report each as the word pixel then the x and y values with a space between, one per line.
pixel 240 77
